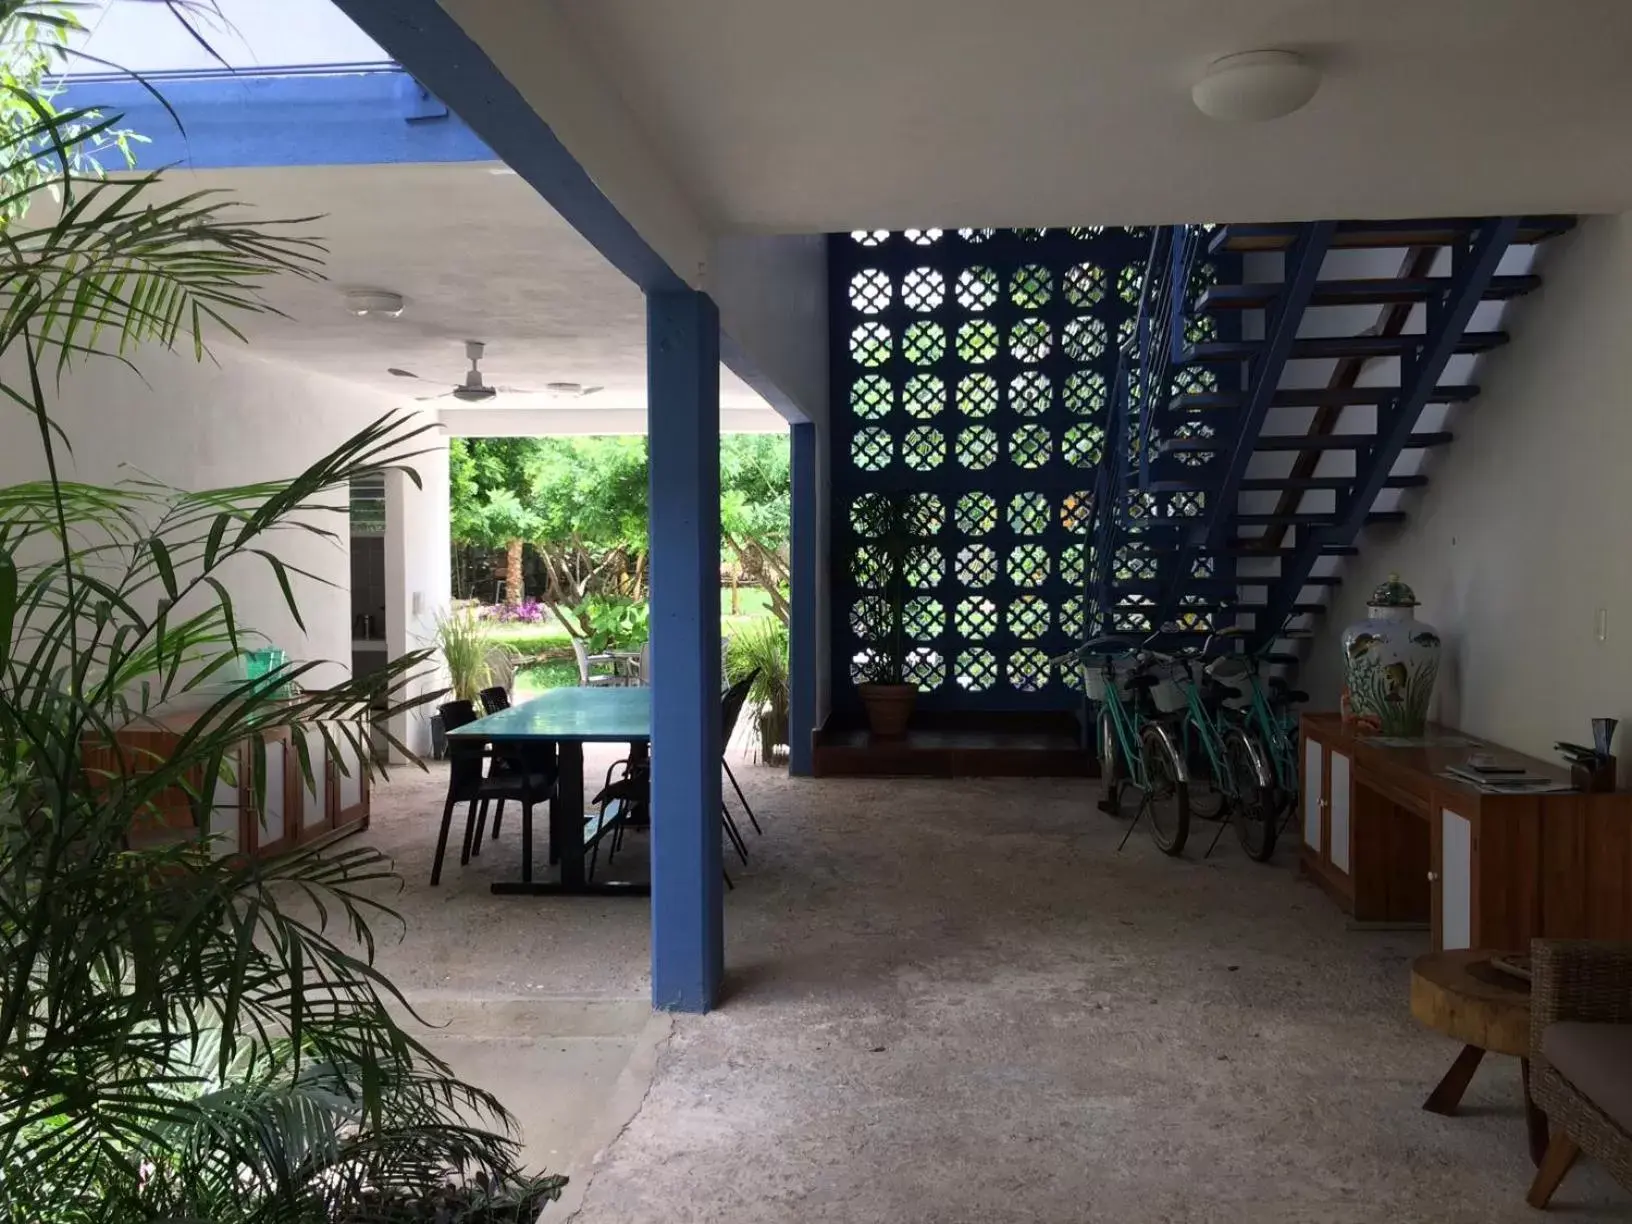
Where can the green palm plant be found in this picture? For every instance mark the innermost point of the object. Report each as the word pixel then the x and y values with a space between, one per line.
pixel 185 1033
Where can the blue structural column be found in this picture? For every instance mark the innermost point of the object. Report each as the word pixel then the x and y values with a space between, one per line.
pixel 683 434
pixel 802 629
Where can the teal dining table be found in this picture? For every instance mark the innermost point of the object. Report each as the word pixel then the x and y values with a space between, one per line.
pixel 559 723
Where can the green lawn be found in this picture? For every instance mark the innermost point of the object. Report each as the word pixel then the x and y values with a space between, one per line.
pixel 550 645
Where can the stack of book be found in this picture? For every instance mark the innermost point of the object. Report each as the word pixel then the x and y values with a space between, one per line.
pixel 1493 779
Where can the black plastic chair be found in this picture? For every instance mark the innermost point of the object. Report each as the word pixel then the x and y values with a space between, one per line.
pixel 495 699
pixel 532 784
pixel 730 710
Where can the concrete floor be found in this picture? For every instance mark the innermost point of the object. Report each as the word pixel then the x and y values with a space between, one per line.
pixel 955 1001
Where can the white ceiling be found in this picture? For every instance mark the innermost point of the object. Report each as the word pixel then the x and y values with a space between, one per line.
pixel 477 255
pixel 891 113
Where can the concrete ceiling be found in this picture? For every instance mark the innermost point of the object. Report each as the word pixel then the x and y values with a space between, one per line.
pixel 477 255
pixel 894 113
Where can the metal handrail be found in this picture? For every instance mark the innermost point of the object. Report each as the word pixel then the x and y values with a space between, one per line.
pixel 1145 363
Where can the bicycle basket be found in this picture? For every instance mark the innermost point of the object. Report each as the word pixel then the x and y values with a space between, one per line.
pixel 1093 678
pixel 1168 693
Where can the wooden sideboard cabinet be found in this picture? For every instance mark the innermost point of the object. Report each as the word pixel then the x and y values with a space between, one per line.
pixel 294 813
pixel 1393 841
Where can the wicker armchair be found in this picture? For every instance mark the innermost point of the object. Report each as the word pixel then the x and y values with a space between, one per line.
pixel 1581 1043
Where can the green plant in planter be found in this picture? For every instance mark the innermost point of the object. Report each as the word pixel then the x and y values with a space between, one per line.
pixel 762 648
pixel 466 642
pixel 894 528
pixel 186 1034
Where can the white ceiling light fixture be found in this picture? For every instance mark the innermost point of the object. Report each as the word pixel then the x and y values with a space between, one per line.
pixel 366 302
pixel 1255 86
pixel 569 390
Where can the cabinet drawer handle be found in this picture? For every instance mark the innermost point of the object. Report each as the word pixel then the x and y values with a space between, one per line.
pixel 1433 877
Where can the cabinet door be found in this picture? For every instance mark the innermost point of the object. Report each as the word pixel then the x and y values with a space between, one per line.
pixel 1455 883
pixel 1313 799
pixel 314 804
pixel 269 825
pixel 226 811
pixel 1338 810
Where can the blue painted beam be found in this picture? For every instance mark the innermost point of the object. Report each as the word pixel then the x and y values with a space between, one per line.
pixel 802 629
pixel 369 116
pixel 424 39
pixel 683 431
pixel 1472 268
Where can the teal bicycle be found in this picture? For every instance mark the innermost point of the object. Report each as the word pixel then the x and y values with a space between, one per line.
pixel 1233 766
pixel 1269 713
pixel 1139 752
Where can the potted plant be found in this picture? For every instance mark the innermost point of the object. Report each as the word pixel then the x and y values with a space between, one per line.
pixel 885 521
pixel 762 648
pixel 465 640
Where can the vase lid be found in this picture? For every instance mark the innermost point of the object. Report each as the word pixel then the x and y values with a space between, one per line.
pixel 1393 594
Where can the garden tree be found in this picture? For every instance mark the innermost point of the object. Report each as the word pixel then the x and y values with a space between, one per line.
pixel 492 498
pixel 591 502
pixel 755 504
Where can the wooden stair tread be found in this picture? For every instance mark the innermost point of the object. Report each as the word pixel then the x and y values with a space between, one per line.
pixel 1300 442
pixel 1360 291
pixel 1351 234
pixel 1317 348
pixel 1318 397
pixel 1271 484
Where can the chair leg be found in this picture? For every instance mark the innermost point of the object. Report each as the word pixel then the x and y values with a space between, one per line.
pixel 481 831
pixel 498 815
pixel 470 827
pixel 595 854
pixel 1561 1155
pixel 742 798
pixel 442 841
pixel 733 833
pixel 526 841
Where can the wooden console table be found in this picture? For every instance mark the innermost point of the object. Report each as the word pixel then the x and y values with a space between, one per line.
pixel 1393 841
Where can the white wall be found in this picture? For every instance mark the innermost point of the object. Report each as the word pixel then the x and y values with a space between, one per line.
pixel 418 576
pixel 213 425
pixel 1519 538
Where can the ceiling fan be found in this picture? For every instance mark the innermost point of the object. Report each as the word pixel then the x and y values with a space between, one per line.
pixel 474 391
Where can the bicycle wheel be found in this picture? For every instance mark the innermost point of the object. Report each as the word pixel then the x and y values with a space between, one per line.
pixel 1168 794
pixel 1113 772
pixel 1257 810
pixel 1207 798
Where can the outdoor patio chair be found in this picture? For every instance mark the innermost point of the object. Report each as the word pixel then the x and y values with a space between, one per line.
pixel 495 699
pixel 730 711
pixel 589 678
pixel 625 802
pixel 529 785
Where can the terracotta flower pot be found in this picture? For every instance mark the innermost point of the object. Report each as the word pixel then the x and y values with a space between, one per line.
pixel 889 707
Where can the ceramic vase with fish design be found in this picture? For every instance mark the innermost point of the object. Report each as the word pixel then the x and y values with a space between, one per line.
pixel 1391 660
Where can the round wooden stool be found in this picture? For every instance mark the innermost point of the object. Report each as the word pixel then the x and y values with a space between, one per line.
pixel 1462 995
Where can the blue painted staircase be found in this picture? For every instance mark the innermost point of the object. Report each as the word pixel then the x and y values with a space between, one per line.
pixel 1277 395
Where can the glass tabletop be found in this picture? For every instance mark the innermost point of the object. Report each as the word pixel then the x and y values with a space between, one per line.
pixel 587 715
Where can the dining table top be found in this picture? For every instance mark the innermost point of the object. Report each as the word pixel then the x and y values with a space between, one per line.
pixel 581 715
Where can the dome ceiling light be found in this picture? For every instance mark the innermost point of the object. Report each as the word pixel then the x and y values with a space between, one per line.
pixel 365 302
pixel 1255 86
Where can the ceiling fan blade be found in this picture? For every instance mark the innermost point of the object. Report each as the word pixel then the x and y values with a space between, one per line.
pixel 398 373
pixel 420 399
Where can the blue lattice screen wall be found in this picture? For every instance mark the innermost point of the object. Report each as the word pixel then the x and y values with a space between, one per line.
pixel 973 369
